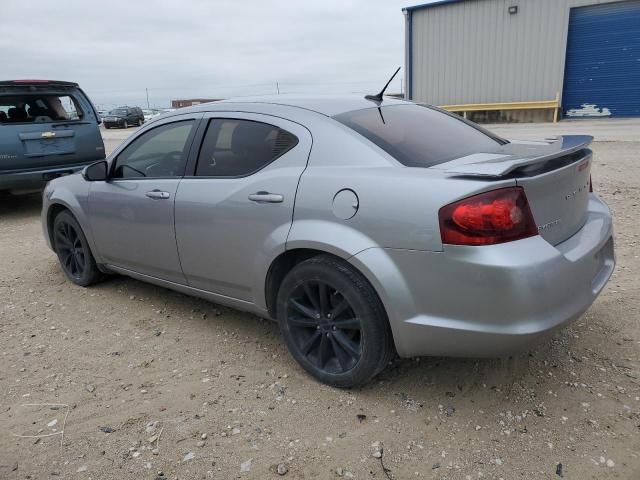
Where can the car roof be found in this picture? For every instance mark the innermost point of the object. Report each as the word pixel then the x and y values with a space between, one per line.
pixel 329 105
pixel 39 83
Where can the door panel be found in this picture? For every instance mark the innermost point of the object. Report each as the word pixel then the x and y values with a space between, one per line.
pixel 134 231
pixel 132 214
pixel 227 240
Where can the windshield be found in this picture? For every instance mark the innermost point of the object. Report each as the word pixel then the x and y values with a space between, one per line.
pixel 118 111
pixel 419 135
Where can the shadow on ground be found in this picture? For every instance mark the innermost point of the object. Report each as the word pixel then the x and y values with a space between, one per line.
pixel 17 206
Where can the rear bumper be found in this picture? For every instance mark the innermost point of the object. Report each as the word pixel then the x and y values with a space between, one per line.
pixel 491 300
pixel 35 179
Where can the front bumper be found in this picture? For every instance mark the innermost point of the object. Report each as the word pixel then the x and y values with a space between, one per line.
pixel 37 178
pixel 494 300
pixel 113 123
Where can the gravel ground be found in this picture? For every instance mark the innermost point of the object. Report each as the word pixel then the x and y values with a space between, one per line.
pixel 153 381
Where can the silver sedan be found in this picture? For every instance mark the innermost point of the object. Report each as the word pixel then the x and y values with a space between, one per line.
pixel 365 227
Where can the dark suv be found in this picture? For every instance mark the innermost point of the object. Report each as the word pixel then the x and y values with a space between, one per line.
pixel 124 117
pixel 48 128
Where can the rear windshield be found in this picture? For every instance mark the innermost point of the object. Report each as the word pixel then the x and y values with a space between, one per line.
pixel 118 111
pixel 38 108
pixel 418 135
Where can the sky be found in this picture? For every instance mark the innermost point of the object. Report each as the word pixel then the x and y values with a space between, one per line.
pixel 116 49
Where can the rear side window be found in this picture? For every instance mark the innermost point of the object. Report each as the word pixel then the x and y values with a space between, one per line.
pixel 39 108
pixel 419 136
pixel 236 148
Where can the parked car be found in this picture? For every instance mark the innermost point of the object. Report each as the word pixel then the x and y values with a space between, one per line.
pixel 124 117
pixel 150 113
pixel 48 128
pixel 363 227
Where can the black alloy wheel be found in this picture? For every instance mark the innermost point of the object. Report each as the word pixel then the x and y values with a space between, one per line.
pixel 73 251
pixel 333 322
pixel 324 326
pixel 70 249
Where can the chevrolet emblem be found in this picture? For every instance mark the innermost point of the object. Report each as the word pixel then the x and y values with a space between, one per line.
pixel 48 134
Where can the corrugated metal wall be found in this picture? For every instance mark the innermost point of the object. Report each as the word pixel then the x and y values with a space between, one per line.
pixel 476 52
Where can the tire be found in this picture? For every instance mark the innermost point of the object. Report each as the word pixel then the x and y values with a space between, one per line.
pixel 107 127
pixel 140 122
pixel 73 251
pixel 343 341
pixel 125 125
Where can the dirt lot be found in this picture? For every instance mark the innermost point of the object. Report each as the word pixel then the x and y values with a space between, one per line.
pixel 159 382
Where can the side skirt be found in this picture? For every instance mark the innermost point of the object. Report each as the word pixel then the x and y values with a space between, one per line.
pixel 195 292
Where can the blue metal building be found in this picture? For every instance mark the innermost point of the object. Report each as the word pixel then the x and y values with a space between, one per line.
pixel 584 53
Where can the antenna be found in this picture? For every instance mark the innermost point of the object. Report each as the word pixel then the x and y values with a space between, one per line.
pixel 378 97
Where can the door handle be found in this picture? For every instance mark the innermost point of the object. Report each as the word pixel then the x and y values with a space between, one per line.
pixel 266 197
pixel 158 195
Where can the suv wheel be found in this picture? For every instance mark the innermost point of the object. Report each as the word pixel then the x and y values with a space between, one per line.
pixel 333 322
pixel 73 251
pixel 126 124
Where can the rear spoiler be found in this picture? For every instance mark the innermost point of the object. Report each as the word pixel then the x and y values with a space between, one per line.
pixel 522 155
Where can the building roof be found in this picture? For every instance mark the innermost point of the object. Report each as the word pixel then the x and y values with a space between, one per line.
pixel 196 99
pixel 435 3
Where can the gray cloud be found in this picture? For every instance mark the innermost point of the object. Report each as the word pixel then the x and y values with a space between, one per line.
pixel 193 48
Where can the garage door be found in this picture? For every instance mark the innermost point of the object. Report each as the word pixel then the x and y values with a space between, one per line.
pixel 602 72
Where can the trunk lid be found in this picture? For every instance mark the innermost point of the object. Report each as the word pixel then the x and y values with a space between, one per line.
pixel 46 125
pixel 555 176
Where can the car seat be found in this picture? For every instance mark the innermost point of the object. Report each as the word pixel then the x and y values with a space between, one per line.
pixel 17 114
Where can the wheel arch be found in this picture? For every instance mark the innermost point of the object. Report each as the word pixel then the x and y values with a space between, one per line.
pixel 61 200
pixel 52 212
pixel 279 268
pixel 287 260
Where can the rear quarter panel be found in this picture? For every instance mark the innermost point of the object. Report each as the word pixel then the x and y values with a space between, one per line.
pixel 397 205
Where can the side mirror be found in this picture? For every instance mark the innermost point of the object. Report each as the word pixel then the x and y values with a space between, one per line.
pixel 95 172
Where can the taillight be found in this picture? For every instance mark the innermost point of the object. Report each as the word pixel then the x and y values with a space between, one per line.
pixel 488 218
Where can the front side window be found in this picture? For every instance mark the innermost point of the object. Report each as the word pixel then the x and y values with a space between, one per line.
pixel 158 153
pixel 420 136
pixel 235 148
pixel 39 108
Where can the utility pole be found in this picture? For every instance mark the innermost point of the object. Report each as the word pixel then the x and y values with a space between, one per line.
pixel 147 91
pixel 278 88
